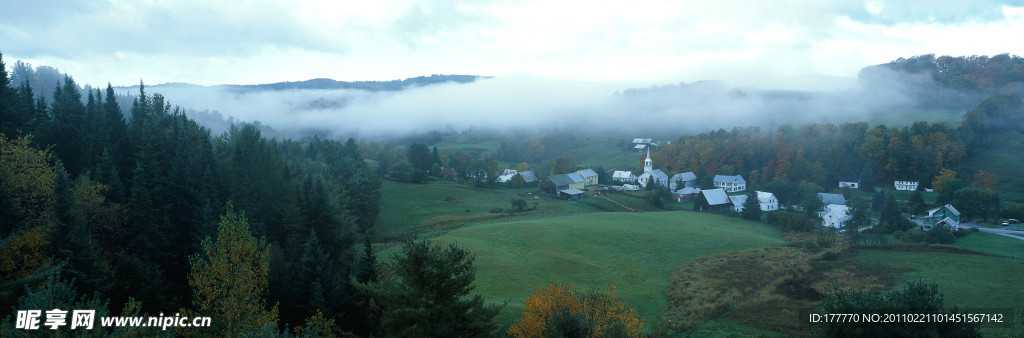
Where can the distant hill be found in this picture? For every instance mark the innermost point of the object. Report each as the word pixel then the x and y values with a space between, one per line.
pixel 322 83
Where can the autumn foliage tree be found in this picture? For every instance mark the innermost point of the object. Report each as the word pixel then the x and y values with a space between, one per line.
pixel 560 310
pixel 230 277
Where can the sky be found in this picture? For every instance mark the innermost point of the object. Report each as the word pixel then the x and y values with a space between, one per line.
pixel 632 43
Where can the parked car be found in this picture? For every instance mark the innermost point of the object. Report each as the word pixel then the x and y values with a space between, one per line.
pixel 1013 221
pixel 1005 223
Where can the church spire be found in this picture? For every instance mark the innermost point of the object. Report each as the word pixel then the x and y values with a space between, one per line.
pixel 647 163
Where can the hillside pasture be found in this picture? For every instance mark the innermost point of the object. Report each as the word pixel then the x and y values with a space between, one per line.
pixel 407 207
pixel 637 252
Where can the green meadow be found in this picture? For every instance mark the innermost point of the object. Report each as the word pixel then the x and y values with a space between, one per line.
pixel 635 251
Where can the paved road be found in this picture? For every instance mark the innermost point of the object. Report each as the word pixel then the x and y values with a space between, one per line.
pixel 1004 231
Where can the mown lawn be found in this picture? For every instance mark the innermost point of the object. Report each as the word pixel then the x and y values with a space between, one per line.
pixel 636 251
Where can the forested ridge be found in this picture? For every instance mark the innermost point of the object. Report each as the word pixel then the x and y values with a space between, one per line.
pixel 120 209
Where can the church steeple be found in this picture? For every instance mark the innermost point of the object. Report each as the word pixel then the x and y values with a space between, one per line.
pixel 647 163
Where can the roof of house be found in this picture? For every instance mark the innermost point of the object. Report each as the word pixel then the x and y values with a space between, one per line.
pixel 831 198
pixel 641 140
pixel 738 200
pixel 560 180
pixel 764 195
pixel 622 174
pixel 715 196
pixel 505 178
pixel 572 191
pixel 849 179
pixel 587 172
pixel 576 178
pixel 529 176
pixel 687 176
pixel 687 191
pixel 509 172
pixel 931 212
pixel 640 146
pixel 730 179
pixel 657 173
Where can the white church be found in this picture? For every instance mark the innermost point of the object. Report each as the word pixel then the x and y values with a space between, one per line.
pixel 652 174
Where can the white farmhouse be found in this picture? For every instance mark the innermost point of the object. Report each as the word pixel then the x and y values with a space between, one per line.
pixel 905 185
pixel 767 200
pixel 835 216
pixel 730 183
pixel 623 176
pixel 683 180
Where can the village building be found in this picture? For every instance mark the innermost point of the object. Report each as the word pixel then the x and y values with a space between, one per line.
pixel 714 200
pixel 734 183
pixel 849 182
pixel 835 216
pixel 652 175
pixel 945 215
pixel 682 180
pixel 767 200
pixel 905 185
pixel 556 183
pixel 529 176
pixel 623 176
pixel 641 144
pixel 837 199
pixel 589 175
pixel 572 194
pixel 686 194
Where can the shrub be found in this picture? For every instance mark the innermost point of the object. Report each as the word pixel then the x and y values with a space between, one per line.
pixel 559 310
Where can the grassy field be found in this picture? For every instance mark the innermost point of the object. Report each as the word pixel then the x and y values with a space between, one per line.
pixel 976 281
pixel 407 206
pixel 636 251
pixel 993 244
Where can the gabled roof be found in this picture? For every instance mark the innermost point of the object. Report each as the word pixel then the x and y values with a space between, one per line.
pixel 715 196
pixel 641 140
pixel 738 200
pixel 529 176
pixel 931 213
pixel 831 198
pixel 730 179
pixel 622 174
pixel 576 178
pixel 587 172
pixel 505 178
pixel 657 173
pixel 763 196
pixel 687 176
pixel 687 191
pixel 849 179
pixel 561 180
pixel 640 146
pixel 572 191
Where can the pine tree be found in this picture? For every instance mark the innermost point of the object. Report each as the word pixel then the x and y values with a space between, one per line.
pixel 11 118
pixel 752 206
pixel 425 294
pixel 229 278
pixel 368 264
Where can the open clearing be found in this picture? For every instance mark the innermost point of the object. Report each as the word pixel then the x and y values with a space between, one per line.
pixel 636 251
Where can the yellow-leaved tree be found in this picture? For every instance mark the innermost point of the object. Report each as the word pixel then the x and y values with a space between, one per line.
pixel 229 280
pixel 560 310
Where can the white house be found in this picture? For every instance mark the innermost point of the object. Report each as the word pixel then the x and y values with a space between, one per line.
pixel 849 182
pixel 730 183
pixel 905 185
pixel 683 180
pixel 835 216
pixel 945 215
pixel 589 175
pixel 507 175
pixel 767 200
pixel 623 176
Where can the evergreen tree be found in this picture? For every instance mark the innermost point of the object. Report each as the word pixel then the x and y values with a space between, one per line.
pixel 867 179
pixel 752 206
pixel 316 282
pixel 75 244
pixel 11 118
pixel 916 202
pixel 424 295
pixel 368 263
pixel 878 201
pixel 230 278
pixel 66 130
pixel 915 297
